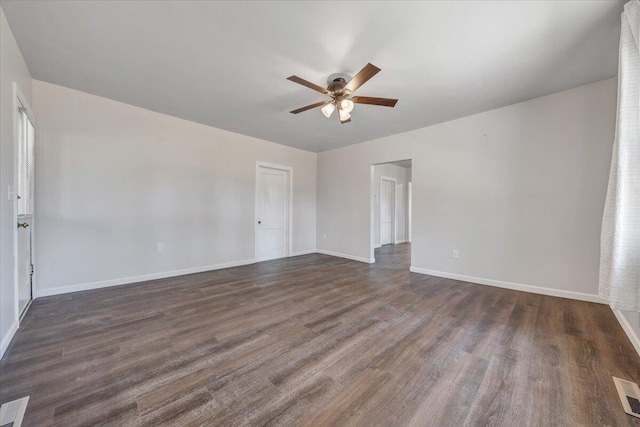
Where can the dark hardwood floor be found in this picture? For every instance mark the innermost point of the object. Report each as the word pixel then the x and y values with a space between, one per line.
pixel 317 340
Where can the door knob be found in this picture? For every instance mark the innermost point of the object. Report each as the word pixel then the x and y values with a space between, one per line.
pixel 22 225
pixel 259 222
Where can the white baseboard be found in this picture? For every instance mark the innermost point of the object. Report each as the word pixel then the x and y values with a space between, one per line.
pixel 347 256
pixel 134 279
pixel 628 329
pixel 377 246
pixel 6 340
pixel 400 241
pixel 515 286
pixel 307 252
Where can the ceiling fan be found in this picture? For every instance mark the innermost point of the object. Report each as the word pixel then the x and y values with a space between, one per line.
pixel 340 92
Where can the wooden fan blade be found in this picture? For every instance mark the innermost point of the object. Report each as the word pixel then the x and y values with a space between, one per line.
pixel 385 102
pixel 362 77
pixel 309 107
pixel 308 84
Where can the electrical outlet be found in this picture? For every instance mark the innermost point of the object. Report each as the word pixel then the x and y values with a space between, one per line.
pixel 455 254
pixel 160 247
pixel 324 235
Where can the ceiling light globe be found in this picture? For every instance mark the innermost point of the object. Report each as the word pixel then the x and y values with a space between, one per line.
pixel 328 109
pixel 347 105
pixel 344 115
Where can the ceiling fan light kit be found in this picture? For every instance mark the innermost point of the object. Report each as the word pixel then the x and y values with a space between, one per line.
pixel 347 105
pixel 340 92
pixel 328 109
pixel 344 115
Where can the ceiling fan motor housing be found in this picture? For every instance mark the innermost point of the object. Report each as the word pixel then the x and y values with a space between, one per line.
pixel 337 86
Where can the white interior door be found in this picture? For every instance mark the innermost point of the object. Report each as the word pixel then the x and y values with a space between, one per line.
pixel 387 209
pixel 272 213
pixel 24 263
pixel 24 207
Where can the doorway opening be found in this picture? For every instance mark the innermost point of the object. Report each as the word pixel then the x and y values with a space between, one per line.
pixel 391 186
pixel 274 186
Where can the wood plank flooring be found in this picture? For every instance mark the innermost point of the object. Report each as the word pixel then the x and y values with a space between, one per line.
pixel 318 340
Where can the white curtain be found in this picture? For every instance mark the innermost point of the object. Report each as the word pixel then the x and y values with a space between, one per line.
pixel 620 240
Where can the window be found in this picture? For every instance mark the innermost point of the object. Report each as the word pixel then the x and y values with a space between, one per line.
pixel 25 163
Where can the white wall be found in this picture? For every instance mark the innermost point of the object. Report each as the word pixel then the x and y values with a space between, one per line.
pixel 12 69
pixel 400 175
pixel 630 321
pixel 113 181
pixel 518 191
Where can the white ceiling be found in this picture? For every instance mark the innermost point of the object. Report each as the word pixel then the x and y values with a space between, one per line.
pixel 225 64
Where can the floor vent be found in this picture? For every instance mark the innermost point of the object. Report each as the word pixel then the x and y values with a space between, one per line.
pixel 11 413
pixel 629 395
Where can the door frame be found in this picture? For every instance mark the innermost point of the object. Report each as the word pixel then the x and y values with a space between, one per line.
pixel 289 220
pixel 20 101
pixel 409 208
pixel 400 221
pixel 393 210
